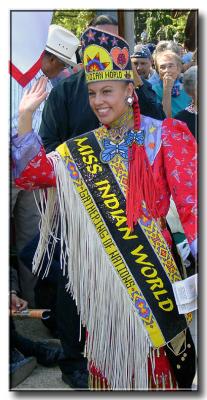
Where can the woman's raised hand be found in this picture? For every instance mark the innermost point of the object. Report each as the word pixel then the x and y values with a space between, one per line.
pixel 33 97
pixel 30 101
pixel 168 82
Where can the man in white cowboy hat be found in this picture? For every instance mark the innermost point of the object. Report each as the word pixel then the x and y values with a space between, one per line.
pixel 59 51
pixel 62 43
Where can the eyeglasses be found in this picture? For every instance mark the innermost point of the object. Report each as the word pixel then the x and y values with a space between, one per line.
pixel 169 66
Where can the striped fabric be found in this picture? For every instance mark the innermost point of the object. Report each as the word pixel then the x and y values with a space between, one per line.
pixel 16 93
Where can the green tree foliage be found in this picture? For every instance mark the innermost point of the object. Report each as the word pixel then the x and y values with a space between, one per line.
pixel 74 20
pixel 168 22
pixel 158 21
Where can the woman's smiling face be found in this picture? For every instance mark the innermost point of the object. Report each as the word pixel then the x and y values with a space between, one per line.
pixel 107 99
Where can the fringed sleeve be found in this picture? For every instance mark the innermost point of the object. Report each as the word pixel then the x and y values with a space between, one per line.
pixel 179 149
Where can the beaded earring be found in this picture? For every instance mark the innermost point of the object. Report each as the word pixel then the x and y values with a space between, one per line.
pixel 129 100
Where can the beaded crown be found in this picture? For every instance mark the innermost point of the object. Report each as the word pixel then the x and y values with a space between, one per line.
pixel 105 56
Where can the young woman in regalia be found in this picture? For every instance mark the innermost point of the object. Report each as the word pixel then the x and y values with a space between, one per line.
pixel 109 192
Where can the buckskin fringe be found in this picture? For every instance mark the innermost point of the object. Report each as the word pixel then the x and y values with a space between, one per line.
pixel 49 211
pixel 117 342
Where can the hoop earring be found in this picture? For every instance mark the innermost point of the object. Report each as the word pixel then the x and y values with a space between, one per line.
pixel 129 101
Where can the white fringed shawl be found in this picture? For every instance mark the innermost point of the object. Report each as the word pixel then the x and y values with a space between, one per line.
pixel 117 341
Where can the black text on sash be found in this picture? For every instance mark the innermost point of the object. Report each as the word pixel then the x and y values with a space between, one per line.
pixel 146 270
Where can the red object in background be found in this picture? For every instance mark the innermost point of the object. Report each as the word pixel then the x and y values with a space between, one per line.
pixel 24 79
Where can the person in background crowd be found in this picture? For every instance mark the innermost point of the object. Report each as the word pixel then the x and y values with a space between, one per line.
pixel 190 114
pixel 189 59
pixel 175 47
pixel 151 47
pixel 143 36
pixel 25 213
pixel 60 51
pixel 142 59
pixel 68 69
pixel 161 46
pixel 161 33
pixel 182 51
pixel 166 45
pixel 169 89
pixel 45 290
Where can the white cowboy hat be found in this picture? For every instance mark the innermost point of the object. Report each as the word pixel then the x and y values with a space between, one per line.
pixel 63 44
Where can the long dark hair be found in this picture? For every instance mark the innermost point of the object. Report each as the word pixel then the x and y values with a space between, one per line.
pixel 103 20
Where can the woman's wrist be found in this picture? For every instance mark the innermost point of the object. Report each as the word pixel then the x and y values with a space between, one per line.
pixel 167 87
pixel 24 122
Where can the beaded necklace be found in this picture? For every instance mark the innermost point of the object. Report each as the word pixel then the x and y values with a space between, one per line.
pixel 141 186
pixel 121 125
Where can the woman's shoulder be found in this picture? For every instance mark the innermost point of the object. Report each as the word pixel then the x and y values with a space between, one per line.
pixel 164 132
pixel 176 133
pixel 174 125
pixel 158 89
